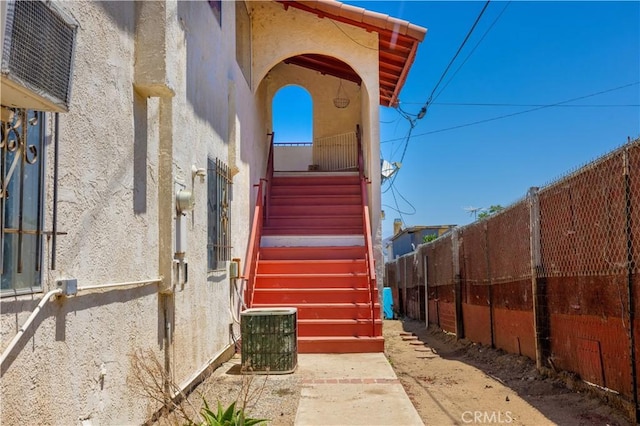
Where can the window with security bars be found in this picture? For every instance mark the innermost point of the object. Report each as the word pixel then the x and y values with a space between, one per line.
pixel 219 214
pixel 21 200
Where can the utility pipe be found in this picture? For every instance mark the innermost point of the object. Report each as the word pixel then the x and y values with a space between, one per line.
pixel 56 160
pixel 124 284
pixel 27 324
pixel 58 291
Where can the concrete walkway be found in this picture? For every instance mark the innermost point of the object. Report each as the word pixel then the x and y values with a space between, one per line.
pixel 352 389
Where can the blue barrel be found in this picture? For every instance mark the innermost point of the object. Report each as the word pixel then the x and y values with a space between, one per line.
pixel 387 303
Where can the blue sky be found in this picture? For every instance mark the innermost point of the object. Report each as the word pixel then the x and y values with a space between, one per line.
pixel 536 53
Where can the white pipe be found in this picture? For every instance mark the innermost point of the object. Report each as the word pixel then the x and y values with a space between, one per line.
pixel 27 324
pixel 124 284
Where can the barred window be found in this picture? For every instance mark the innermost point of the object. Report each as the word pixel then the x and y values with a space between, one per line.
pixel 21 200
pixel 219 214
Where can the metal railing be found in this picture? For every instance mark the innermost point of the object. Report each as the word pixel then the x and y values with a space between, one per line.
pixel 370 262
pixel 260 216
pixel 337 152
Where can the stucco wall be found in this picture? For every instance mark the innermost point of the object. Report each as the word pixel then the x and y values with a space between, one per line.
pixel 279 34
pixel 292 158
pixel 73 365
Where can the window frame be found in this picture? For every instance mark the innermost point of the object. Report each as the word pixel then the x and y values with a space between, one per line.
pixel 219 196
pixel 27 152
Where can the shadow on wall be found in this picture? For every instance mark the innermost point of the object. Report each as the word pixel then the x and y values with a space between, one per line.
pixel 61 307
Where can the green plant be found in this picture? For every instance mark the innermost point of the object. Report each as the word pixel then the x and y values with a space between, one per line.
pixel 229 417
pixel 429 238
pixel 492 210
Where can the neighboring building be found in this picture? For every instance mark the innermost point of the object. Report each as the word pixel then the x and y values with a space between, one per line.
pixel 122 214
pixel 407 240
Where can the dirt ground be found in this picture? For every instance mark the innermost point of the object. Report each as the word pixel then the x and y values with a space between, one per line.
pixel 450 382
pixel 453 382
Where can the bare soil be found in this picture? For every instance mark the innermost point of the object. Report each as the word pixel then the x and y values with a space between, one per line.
pixel 449 381
pixel 456 382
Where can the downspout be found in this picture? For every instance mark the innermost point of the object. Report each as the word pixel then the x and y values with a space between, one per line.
pixel 166 213
pixel 54 219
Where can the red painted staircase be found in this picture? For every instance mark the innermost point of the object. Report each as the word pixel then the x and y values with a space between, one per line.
pixel 314 255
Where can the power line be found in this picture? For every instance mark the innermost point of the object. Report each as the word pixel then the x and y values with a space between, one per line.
pixel 395 201
pixel 410 117
pixel 472 50
pixel 429 99
pixel 519 112
pixel 489 104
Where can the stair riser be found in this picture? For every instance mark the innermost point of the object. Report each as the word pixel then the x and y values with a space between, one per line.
pixel 315 190
pixel 315 221
pixel 288 296
pixel 316 180
pixel 311 267
pixel 315 210
pixel 330 311
pixel 319 346
pixel 352 230
pixel 311 253
pixel 306 200
pixel 311 282
pixel 330 329
pixel 338 313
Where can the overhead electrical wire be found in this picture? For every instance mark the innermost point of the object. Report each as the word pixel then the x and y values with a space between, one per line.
pixel 412 118
pixel 489 104
pixel 446 70
pixel 472 50
pixel 473 123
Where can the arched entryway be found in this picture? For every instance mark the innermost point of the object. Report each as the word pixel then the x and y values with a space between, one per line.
pixel 292 115
pixel 325 91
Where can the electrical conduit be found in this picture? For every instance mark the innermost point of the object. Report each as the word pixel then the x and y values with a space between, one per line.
pixel 27 324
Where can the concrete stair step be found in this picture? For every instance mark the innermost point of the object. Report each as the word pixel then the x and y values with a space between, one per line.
pixel 310 180
pixel 330 311
pixel 338 327
pixel 289 296
pixel 319 209
pixel 317 190
pixel 302 200
pixel 334 344
pixel 309 230
pixel 315 266
pixel 349 252
pixel 309 281
pixel 315 221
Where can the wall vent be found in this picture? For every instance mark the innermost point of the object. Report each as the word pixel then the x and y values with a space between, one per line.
pixel 37 55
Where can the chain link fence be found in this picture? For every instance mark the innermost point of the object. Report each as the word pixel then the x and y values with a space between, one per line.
pixel 553 276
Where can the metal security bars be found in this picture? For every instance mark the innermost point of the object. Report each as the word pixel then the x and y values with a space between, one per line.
pixel 21 199
pixel 219 214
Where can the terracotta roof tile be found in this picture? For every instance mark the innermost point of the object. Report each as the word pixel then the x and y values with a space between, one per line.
pixel 388 27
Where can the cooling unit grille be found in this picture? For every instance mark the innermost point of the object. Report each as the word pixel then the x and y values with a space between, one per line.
pixel 38 49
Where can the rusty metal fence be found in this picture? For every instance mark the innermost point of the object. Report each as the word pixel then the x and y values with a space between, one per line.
pixel 553 276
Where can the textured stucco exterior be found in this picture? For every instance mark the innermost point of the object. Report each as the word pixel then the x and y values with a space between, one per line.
pixel 279 34
pixel 157 90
